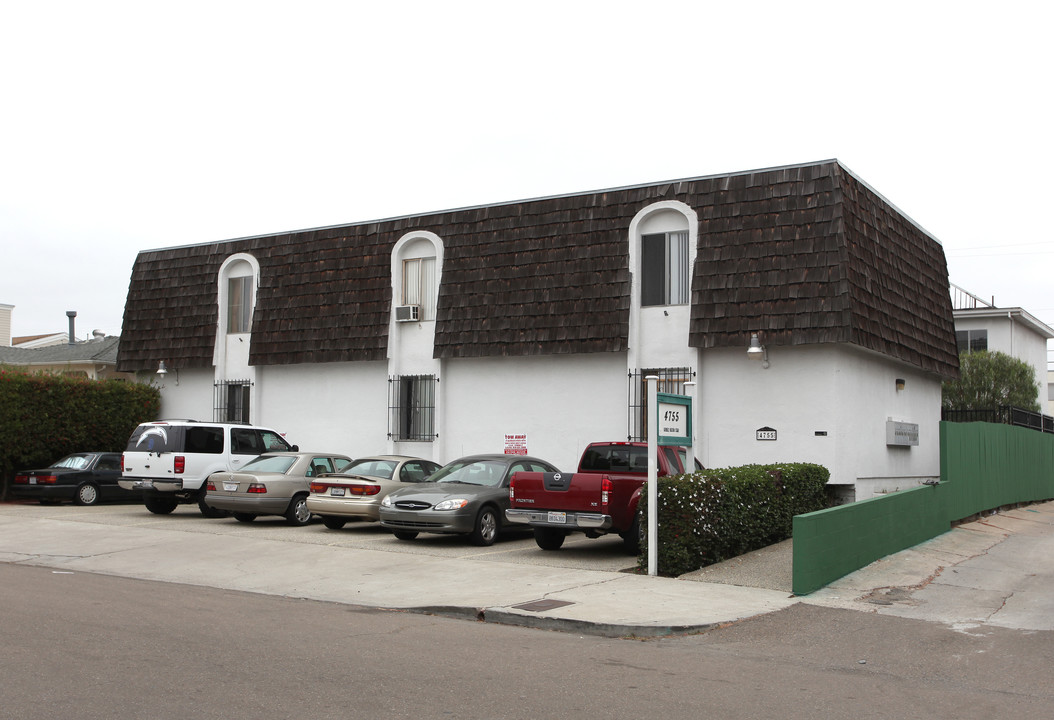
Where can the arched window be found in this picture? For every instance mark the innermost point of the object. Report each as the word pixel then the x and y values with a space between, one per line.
pixel 416 267
pixel 237 290
pixel 665 248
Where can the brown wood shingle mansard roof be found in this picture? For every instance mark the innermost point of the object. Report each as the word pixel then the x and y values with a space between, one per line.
pixel 803 254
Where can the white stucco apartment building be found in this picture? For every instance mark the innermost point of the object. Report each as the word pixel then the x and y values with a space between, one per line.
pixel 444 334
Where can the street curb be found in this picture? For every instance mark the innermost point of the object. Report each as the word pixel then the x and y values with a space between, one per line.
pixel 500 616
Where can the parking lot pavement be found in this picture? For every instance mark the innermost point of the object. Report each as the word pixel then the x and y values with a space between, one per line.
pixel 580 552
pixel 581 588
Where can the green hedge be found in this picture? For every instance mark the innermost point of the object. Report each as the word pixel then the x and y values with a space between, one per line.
pixel 712 515
pixel 43 417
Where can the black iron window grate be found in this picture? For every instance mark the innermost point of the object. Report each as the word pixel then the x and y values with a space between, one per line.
pixel 671 380
pixel 231 403
pixel 411 408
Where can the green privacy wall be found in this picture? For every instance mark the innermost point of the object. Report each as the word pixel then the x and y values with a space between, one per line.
pixel 983 466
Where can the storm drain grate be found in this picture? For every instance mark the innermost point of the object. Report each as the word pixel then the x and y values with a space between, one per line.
pixel 540 605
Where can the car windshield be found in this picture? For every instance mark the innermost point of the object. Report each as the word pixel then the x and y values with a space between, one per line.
pixel 274 463
pixel 488 473
pixel 77 462
pixel 373 468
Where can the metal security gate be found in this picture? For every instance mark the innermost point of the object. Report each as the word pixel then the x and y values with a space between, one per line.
pixel 671 380
pixel 232 401
pixel 411 408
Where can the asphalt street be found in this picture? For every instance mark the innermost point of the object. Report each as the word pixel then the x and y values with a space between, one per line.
pixel 85 645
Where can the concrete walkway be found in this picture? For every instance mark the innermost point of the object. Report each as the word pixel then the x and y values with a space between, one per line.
pixel 996 571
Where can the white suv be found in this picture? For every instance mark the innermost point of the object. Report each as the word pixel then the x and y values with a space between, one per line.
pixel 169 460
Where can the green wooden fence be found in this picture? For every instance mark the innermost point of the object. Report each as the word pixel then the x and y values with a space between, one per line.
pixel 983 466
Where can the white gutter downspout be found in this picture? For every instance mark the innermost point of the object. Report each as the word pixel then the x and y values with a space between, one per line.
pixel 1010 316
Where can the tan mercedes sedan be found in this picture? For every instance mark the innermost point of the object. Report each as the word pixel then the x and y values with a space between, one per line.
pixel 271 484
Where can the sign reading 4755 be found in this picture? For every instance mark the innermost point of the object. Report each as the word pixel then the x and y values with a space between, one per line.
pixel 674 419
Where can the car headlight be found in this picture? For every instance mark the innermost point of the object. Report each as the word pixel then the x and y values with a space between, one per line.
pixel 386 502
pixel 451 504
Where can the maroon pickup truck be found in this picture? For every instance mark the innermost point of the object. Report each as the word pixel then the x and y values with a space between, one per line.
pixel 600 498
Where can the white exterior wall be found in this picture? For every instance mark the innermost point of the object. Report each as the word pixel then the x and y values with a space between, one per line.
pixel 1007 334
pixel 185 394
pixel 564 402
pixel 844 392
pixel 329 407
pixel 1049 405
pixel 561 402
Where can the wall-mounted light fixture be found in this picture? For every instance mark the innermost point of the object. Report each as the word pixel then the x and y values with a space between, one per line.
pixel 757 351
pixel 900 383
pixel 162 371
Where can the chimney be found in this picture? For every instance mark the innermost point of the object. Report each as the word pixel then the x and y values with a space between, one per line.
pixel 73 335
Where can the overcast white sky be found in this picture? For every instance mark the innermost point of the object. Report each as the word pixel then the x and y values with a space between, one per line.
pixel 127 126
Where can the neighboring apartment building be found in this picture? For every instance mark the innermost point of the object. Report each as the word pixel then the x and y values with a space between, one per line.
pixel 447 333
pixel 5 324
pixel 980 325
pixel 95 359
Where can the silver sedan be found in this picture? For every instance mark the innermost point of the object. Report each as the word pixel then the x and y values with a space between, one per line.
pixel 468 497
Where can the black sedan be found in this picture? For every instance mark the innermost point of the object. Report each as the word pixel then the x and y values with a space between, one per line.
pixel 467 497
pixel 85 478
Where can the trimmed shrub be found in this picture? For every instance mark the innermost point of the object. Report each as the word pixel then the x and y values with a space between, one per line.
pixel 713 515
pixel 43 417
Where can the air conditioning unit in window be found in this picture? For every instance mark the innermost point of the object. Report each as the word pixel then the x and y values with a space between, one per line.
pixel 407 313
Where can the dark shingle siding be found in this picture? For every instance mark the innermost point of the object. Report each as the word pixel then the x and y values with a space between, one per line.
pixel 811 255
pixel 542 277
pixel 802 254
pixel 899 277
pixel 771 260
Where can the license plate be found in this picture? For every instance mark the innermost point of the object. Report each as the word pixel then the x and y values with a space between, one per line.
pixel 230 487
pixel 32 481
pixel 558 517
pixel 339 492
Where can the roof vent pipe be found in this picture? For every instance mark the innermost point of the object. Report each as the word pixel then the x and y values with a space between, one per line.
pixel 73 335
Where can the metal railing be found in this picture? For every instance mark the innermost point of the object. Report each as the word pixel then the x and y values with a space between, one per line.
pixel 1004 415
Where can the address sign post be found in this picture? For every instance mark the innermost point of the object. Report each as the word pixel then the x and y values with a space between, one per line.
pixel 672 425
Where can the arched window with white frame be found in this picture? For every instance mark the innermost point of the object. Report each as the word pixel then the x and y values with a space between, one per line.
pixel 416 266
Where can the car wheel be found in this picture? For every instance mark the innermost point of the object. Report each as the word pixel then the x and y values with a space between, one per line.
pixel 486 529
pixel 404 534
pixel 333 523
pixel 297 512
pixel 244 517
pixel 87 494
pixel 160 505
pixel 633 539
pixel 549 538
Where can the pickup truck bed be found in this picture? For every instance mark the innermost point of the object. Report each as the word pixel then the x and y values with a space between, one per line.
pixel 601 498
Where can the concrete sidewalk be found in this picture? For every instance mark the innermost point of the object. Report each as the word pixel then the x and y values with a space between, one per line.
pixel 603 602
